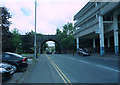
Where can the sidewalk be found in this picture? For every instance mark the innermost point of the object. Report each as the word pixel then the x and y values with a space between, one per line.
pixel 27 72
pixel 106 56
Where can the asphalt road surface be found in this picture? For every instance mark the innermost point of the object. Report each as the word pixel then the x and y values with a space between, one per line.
pixel 58 68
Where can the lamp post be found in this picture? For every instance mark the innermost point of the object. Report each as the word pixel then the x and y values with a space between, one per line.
pixel 35 33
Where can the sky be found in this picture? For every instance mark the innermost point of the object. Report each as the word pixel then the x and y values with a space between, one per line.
pixel 51 14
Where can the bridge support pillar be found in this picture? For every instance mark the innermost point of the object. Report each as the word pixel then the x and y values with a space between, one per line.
pixel 39 51
pixel 101 35
pixel 108 41
pixel 94 47
pixel 116 40
pixel 77 44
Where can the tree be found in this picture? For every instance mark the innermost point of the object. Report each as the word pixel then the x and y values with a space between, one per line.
pixel 6 35
pixel 66 37
pixel 16 40
pixel 58 31
pixel 44 46
pixel 68 29
pixel 33 33
pixel 28 42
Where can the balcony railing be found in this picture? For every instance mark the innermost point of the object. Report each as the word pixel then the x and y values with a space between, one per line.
pixel 87 25
pixel 89 14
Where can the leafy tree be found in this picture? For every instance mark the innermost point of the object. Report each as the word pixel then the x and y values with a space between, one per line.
pixel 58 31
pixel 16 40
pixel 33 33
pixel 6 35
pixel 28 42
pixel 68 29
pixel 44 46
pixel 66 37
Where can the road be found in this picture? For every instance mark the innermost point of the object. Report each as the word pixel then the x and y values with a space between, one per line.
pixel 61 68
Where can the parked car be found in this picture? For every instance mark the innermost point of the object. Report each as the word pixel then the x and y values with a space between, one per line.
pixel 49 52
pixel 56 52
pixel 84 52
pixel 18 62
pixel 6 71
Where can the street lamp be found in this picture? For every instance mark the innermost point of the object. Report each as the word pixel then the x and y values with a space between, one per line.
pixel 35 34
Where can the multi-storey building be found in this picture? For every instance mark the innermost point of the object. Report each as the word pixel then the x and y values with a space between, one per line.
pixel 98 26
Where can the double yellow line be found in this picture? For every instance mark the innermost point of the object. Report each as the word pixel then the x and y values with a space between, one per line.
pixel 61 74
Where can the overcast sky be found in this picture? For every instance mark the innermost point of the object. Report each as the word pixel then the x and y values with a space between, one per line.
pixel 51 14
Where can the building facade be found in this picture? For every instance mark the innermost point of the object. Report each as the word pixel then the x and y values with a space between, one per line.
pixel 98 27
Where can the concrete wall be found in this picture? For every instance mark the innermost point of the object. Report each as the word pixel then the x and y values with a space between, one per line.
pixel 89 21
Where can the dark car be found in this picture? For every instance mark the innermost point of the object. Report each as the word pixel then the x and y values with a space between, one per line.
pixel 49 52
pixel 21 63
pixel 6 70
pixel 84 52
pixel 56 52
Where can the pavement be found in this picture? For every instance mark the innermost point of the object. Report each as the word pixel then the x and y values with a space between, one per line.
pixel 107 56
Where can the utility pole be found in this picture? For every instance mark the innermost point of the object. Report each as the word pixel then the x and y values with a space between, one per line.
pixel 35 34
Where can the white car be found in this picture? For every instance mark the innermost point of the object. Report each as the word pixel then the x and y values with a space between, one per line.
pixel 6 70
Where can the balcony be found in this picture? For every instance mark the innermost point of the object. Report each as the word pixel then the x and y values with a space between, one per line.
pixel 87 25
pixel 89 14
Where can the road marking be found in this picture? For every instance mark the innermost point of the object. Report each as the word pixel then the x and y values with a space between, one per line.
pixel 78 60
pixel 108 68
pixel 83 61
pixel 92 63
pixel 57 70
pixel 61 74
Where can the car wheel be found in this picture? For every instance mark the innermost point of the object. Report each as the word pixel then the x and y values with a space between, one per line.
pixel 83 55
pixel 78 53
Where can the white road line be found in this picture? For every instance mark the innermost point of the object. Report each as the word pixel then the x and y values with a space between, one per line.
pixel 78 60
pixel 72 58
pixel 83 61
pixel 108 68
pixel 61 74
pixel 94 64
